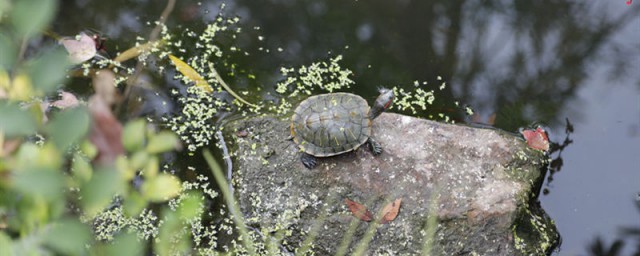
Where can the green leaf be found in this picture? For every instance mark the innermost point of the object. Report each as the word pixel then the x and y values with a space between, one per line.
pixel 169 242
pixel 49 70
pixel 139 160
pixel 31 16
pixel 151 168
pixel 68 127
pixel 8 51
pixel 161 188
pixel 81 168
pixel 15 121
pixel 33 213
pixel 88 149
pixel 162 142
pixel 46 183
pixel 134 204
pixel 68 237
pixel 133 135
pixel 190 206
pixel 98 192
pixel 4 7
pixel 31 156
pixel 125 244
pixel 5 244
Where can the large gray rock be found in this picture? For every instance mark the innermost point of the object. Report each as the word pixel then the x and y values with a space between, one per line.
pixel 464 190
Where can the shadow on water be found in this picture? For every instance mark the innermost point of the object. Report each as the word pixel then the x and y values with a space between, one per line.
pixel 599 246
pixel 521 61
pixel 555 151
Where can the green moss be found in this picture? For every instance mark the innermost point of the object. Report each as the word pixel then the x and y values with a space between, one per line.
pixel 534 232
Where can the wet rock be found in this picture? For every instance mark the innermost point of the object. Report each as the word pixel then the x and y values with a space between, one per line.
pixel 464 190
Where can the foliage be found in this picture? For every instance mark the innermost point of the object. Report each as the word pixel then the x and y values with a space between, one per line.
pixel 55 195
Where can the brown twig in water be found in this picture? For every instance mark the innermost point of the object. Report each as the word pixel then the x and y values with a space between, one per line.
pixel 153 36
pixel 163 18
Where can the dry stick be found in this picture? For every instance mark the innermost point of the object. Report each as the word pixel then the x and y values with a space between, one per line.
pixel 226 157
pixel 23 49
pixel 152 37
pixel 234 209
pixel 348 235
pixel 362 246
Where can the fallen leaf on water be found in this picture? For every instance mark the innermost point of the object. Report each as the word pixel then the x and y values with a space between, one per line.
pixel 358 210
pixel 190 73
pixel 134 52
pixel 193 75
pixel 536 139
pixel 390 211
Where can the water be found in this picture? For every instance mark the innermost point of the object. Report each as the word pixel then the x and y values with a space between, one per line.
pixel 544 61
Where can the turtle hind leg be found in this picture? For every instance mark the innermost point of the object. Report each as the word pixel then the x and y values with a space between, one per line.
pixel 309 161
pixel 375 147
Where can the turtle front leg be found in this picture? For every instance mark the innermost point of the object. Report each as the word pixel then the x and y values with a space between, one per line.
pixel 375 147
pixel 309 161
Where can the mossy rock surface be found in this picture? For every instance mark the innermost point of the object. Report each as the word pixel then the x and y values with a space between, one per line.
pixel 480 185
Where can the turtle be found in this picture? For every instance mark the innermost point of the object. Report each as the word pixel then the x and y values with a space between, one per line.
pixel 335 123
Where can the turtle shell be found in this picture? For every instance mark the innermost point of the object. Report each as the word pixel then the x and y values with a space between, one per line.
pixel 331 124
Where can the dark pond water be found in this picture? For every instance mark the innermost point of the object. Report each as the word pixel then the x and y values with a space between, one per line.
pixel 565 64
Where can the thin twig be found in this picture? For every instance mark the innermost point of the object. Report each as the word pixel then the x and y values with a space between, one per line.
pixel 232 203
pixel 153 36
pixel 227 158
pixel 23 49
pixel 163 18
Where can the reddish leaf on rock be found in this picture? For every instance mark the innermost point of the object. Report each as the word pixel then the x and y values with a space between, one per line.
pixel 358 210
pixel 106 131
pixel 390 211
pixel 536 139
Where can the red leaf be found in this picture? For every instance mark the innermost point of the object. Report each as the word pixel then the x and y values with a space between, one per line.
pixel 81 48
pixel 358 210
pixel 536 139
pixel 390 211
pixel 106 131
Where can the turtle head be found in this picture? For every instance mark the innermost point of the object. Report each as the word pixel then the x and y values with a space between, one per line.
pixel 383 102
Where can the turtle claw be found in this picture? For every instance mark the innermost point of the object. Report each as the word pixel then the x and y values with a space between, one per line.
pixel 309 161
pixel 375 147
